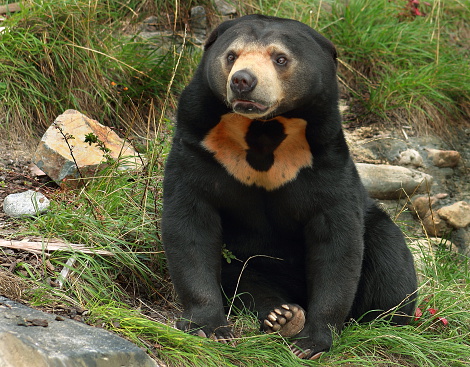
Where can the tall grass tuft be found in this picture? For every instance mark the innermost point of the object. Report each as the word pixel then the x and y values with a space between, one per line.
pixel 56 55
pixel 405 68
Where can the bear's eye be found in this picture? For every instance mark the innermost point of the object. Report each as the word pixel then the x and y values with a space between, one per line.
pixel 281 60
pixel 231 57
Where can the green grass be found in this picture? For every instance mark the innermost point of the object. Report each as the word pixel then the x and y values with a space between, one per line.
pixel 56 55
pixel 65 54
pixel 402 64
pixel 70 54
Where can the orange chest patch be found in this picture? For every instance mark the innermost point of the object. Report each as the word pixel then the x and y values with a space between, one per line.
pixel 265 153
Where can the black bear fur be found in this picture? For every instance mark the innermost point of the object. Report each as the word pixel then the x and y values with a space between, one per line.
pixel 314 239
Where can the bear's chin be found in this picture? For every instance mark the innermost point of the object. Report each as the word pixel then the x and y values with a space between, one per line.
pixel 250 109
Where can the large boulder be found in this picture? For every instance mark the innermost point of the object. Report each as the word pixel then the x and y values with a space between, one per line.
pixel 75 146
pixel 31 338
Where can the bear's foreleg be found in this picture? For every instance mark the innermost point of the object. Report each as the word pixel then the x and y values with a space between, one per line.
pixel 334 251
pixel 193 242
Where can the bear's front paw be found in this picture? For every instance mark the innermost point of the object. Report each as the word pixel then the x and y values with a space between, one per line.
pixel 306 346
pixel 221 334
pixel 308 353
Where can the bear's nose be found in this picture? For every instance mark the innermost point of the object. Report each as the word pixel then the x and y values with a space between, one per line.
pixel 243 81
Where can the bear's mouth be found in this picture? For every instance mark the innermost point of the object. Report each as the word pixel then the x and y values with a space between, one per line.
pixel 246 107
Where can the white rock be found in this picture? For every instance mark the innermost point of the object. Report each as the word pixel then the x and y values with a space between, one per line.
pixel 392 182
pixel 410 157
pixel 25 204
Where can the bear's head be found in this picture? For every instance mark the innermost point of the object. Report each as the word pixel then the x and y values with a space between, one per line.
pixel 262 66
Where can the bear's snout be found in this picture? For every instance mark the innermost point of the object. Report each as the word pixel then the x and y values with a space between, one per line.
pixel 242 82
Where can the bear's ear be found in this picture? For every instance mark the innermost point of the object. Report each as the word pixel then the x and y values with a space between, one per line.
pixel 218 32
pixel 211 39
pixel 326 44
pixel 331 47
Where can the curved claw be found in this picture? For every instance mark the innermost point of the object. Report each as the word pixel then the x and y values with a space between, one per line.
pixel 316 356
pixel 287 319
pixel 304 354
pixel 200 333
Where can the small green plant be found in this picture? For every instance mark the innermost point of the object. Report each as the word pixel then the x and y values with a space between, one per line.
pixel 91 138
pixel 67 137
pixel 227 254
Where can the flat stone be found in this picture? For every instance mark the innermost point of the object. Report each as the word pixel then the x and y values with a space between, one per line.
pixel 64 155
pixel 28 203
pixel 457 214
pixel 31 338
pixel 392 182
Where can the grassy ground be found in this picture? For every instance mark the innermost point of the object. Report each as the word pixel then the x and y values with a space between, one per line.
pixel 73 54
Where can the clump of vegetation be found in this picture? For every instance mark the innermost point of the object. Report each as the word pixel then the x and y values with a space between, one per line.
pixel 400 66
pixel 56 55
pixel 65 54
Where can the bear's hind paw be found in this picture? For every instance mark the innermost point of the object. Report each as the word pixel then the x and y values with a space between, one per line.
pixel 288 320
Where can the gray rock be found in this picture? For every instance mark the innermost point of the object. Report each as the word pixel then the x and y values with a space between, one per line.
pixel 150 24
pixel 224 8
pixel 31 338
pixel 392 182
pixel 461 237
pixel 26 203
pixel 386 149
pixel 198 22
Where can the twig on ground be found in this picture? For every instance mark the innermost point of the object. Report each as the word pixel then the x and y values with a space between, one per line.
pixel 40 247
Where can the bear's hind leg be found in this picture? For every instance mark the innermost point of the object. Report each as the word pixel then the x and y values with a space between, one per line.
pixel 388 280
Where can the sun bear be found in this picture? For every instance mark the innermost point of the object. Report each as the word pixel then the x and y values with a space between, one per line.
pixel 259 166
